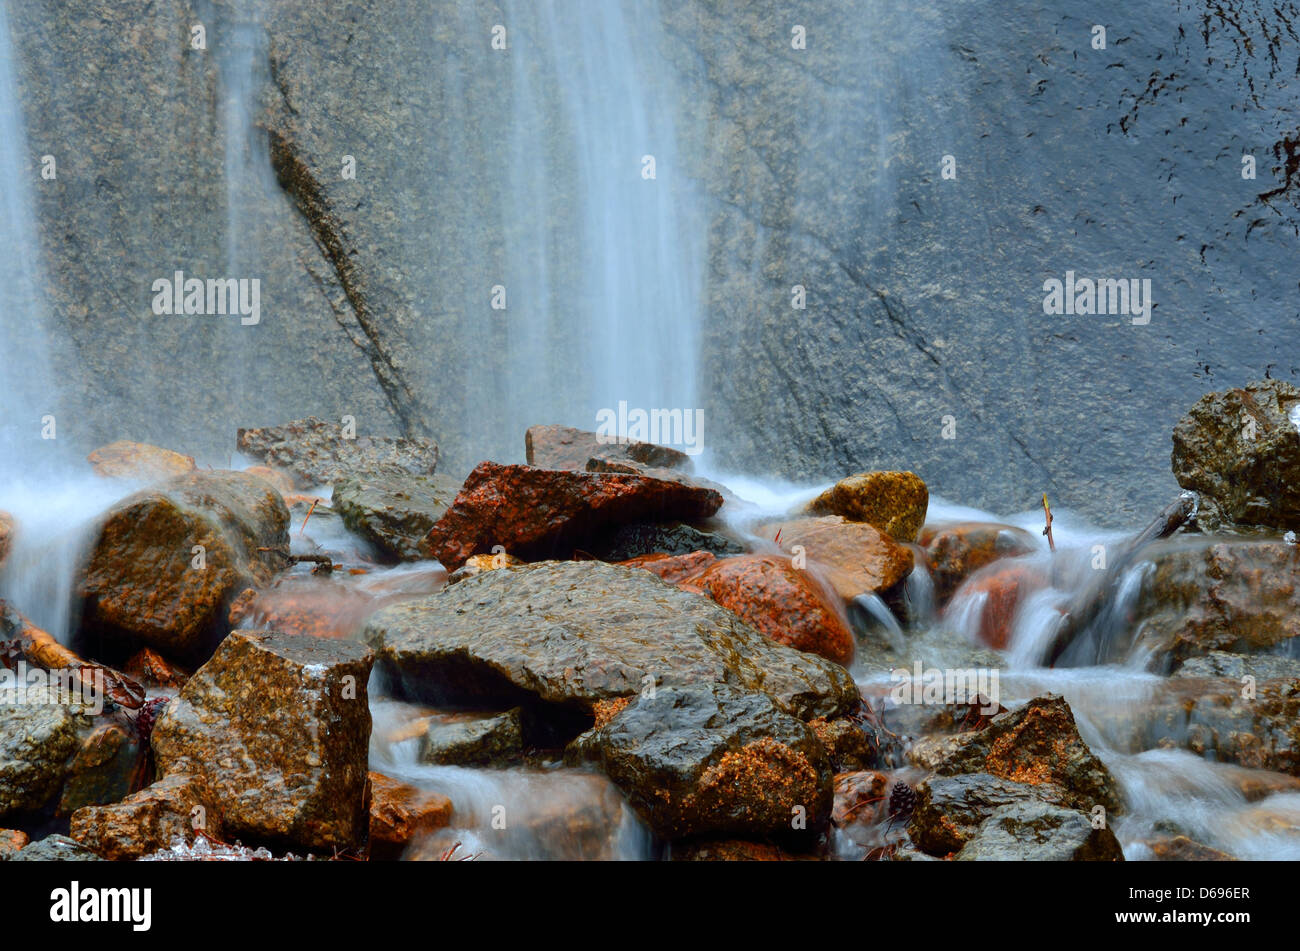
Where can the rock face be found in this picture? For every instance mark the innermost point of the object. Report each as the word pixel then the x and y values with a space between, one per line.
pixel 711 759
pixel 145 582
pixel 278 725
pixel 1240 449
pixel 393 511
pixel 1039 832
pixel 539 513
pixel 778 601
pixel 575 633
pixel 318 452
pixel 893 502
pixel 955 552
pixel 561 447
pixel 854 557
pixel 176 807
pixel 1037 745
pixel 1237 596
pixel 137 460
pixel 474 739
pixel 36 740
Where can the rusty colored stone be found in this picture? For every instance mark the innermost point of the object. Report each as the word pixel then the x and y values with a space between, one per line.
pixel 672 568
pixel 282 481
pixel 955 552
pixel 399 812
pixel 153 670
pixel 544 513
pixel 1004 587
pixel 11 841
pixel 854 557
pixel 894 502
pixel 176 807
pixel 860 797
pixel 140 461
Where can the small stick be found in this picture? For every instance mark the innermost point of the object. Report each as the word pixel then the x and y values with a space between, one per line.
pixel 1047 510
pixel 303 527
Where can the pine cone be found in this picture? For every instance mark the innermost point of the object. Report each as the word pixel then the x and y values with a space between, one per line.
pixel 902 800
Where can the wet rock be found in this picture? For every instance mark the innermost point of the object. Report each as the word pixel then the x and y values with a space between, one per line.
pixel 474 739
pixel 393 511
pixel 475 564
pixel 176 807
pixel 715 760
pixel 138 461
pixel 539 513
pixel 1221 664
pixel 1182 849
pixel 6 535
pixel 779 601
pixel 153 670
pixel 955 552
pixel 281 480
pixel 893 502
pixel 36 740
pixel 109 763
pixel 670 538
pixel 574 633
pixel 733 850
pixel 11 840
pixel 950 809
pixel 400 812
pixel 847 743
pixel 1240 449
pixel 278 725
pixel 561 447
pixel 1039 832
pixel 146 584
pixel 854 557
pixel 996 594
pixel 317 452
pixel 55 848
pixel 1039 745
pixel 1255 725
pixel 860 797
pixel 1237 596
pixel 672 568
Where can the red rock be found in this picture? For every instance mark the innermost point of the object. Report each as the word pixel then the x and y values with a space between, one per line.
pixel 282 481
pixel 153 670
pixel 854 557
pixel 672 568
pixel 543 513
pixel 1004 587
pixel 399 812
pixel 11 841
pixel 955 552
pixel 779 601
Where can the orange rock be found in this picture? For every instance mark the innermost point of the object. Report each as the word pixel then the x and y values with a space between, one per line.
pixel 894 502
pixel 854 557
pixel 153 670
pixel 672 568
pixel 282 481
pixel 955 552
pixel 11 841
pixel 779 601
pixel 399 812
pixel 859 797
pixel 1004 587
pixel 137 460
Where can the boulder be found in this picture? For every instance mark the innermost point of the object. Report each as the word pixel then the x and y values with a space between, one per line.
pixel 317 452
pixel 176 807
pixel 166 562
pixel 139 462
pixel 854 557
pixel 1202 596
pixel 711 759
pixel 1240 450
pixel 670 538
pixel 36 741
pixel 893 502
pixel 778 600
pixel 955 552
pixel 55 848
pixel 672 568
pixel 400 812
pixel 847 743
pixel 950 809
pixel 110 762
pixel 1039 832
pixel 474 739
pixel 393 511
pixel 994 595
pixel 1038 745
pixel 11 841
pixel 575 633
pixel 282 481
pixel 278 725
pixel 561 447
pixel 539 513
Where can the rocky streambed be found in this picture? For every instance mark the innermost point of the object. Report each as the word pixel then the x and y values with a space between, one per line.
pixel 339 651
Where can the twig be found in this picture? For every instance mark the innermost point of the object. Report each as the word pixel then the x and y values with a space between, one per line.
pixel 1047 510
pixel 303 527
